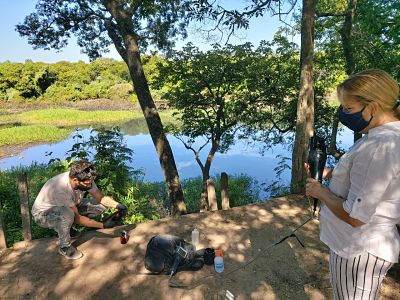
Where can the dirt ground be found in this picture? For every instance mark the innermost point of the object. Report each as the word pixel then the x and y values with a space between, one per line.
pixel 110 270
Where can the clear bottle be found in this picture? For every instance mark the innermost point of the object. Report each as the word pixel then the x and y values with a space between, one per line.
pixel 195 237
pixel 219 261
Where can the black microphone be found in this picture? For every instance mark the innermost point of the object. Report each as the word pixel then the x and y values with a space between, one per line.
pixel 316 160
pixel 180 254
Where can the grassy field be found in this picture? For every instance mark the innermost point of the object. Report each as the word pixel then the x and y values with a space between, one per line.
pixel 50 125
pixel 68 117
pixel 32 134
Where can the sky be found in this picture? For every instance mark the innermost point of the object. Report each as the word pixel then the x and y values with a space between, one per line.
pixel 15 48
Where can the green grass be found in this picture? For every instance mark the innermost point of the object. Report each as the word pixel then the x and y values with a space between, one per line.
pixel 68 117
pixel 43 125
pixel 31 134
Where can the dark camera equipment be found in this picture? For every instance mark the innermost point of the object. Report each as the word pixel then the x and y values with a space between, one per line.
pixel 181 254
pixel 316 160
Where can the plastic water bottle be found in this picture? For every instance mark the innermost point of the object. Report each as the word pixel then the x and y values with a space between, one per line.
pixel 219 261
pixel 195 237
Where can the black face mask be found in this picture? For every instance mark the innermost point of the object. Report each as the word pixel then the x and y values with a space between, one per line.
pixel 83 188
pixel 354 121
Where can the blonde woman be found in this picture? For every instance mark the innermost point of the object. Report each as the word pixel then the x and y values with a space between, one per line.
pixel 361 206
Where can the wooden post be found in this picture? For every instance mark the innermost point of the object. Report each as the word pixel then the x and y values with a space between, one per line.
pixel 3 241
pixel 224 191
pixel 23 195
pixel 212 195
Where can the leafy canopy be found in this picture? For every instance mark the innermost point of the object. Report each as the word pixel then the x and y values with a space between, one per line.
pixel 230 87
pixel 151 22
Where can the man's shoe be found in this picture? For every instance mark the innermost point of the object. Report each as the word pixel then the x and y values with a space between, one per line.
pixel 70 252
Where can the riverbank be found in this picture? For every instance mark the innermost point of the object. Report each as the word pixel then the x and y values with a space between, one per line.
pixel 85 105
pixel 18 120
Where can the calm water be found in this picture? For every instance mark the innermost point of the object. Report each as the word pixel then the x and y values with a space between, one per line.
pixel 240 159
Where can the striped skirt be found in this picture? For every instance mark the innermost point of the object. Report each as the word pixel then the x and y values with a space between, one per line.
pixel 357 278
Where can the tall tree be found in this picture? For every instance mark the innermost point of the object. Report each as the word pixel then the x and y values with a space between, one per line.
pixel 230 88
pixel 131 26
pixel 305 104
pixel 367 32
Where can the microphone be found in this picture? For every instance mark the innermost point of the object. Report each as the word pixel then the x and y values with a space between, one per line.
pixel 180 254
pixel 316 160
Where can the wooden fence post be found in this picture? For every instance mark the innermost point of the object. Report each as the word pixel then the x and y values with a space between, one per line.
pixel 23 195
pixel 224 191
pixel 212 195
pixel 3 241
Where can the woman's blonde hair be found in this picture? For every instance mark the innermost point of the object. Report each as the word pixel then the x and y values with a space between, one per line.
pixel 373 85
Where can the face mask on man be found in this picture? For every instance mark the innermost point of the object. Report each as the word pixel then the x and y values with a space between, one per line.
pixel 354 121
pixel 83 188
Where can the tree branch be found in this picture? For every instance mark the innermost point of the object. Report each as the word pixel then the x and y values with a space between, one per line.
pixel 116 38
pixel 330 14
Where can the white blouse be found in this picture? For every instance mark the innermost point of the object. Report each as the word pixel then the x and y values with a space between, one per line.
pixel 368 177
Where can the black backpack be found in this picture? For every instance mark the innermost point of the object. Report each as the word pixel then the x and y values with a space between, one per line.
pixel 161 253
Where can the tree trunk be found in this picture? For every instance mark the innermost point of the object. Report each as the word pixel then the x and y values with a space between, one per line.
pixel 305 104
pixel 156 130
pixel 347 45
pixel 332 150
pixel 212 195
pixel 224 191
pixel 206 175
pixel 24 198
pixel 129 51
pixel 346 36
pixel 204 194
pixel 3 239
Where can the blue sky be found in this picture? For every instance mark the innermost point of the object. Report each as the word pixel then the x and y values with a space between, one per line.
pixel 16 49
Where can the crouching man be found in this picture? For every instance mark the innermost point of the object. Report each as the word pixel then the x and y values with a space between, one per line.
pixel 60 204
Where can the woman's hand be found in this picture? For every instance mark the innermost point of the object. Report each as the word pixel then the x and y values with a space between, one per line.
pixel 334 203
pixel 315 190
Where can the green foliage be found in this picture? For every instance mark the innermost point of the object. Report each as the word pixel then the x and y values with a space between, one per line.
pixel 145 200
pixel 66 81
pixel 110 155
pixel 376 36
pixel 375 42
pixel 140 209
pixel 9 199
pixel 94 24
pixel 120 91
pixel 227 87
pixel 278 187
pixel 230 88
pixel 242 188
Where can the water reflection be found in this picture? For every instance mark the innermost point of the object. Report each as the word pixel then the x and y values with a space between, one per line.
pixel 240 159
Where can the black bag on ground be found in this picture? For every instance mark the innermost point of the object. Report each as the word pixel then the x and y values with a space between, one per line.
pixel 161 254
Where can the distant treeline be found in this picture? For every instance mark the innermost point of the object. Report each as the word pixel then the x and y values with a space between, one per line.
pixel 70 81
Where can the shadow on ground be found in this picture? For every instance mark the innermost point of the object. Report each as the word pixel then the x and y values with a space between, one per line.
pixel 110 270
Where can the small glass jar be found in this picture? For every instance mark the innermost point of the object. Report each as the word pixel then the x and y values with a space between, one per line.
pixel 124 237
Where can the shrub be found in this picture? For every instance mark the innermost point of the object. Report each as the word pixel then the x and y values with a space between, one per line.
pixel 37 175
pixel 70 92
pixel 120 91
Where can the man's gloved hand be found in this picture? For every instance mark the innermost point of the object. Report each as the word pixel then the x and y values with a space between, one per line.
pixel 115 218
pixel 110 223
pixel 122 209
pixel 120 213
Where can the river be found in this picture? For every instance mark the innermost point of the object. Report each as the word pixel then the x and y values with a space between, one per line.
pixel 241 158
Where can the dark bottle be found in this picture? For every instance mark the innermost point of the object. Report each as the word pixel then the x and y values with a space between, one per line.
pixel 316 160
pixel 124 237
